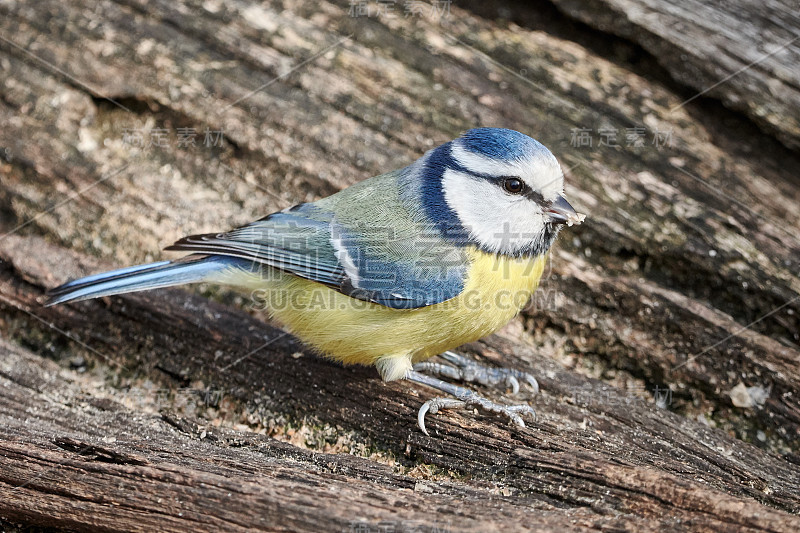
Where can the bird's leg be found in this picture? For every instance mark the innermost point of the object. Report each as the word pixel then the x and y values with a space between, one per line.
pixel 467 370
pixel 463 397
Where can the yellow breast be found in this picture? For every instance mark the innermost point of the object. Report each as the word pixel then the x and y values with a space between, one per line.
pixel 354 331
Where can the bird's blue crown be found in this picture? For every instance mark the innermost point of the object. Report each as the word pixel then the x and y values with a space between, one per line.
pixel 500 143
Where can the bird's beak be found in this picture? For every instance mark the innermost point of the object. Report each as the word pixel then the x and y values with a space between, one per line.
pixel 561 212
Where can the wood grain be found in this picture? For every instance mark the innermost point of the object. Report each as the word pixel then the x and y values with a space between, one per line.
pixel 187 409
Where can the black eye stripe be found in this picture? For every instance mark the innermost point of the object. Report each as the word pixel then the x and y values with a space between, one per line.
pixel 523 189
pixel 536 197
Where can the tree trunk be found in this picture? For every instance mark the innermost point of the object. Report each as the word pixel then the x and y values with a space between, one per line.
pixel 664 334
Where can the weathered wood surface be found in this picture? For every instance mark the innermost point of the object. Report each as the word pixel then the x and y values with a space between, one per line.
pixel 166 410
pixel 743 53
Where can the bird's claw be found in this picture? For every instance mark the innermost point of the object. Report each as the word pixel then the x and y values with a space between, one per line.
pixel 471 372
pixel 464 369
pixel 509 376
pixel 513 412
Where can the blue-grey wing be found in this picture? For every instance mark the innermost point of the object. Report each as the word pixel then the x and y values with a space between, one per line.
pixel 288 240
pixel 401 266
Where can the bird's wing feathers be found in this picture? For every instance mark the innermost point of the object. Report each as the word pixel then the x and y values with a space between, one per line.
pixel 284 240
pixel 366 250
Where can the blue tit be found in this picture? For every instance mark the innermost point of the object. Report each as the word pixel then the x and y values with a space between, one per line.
pixel 395 269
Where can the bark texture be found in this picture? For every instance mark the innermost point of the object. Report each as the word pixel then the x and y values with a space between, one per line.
pixel 665 332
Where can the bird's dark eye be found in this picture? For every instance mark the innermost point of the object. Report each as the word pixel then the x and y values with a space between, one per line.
pixel 514 185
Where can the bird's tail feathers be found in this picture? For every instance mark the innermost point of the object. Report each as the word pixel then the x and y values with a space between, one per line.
pixel 192 269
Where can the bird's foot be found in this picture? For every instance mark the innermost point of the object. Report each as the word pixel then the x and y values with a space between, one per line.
pixel 467 370
pixel 464 397
pixel 513 412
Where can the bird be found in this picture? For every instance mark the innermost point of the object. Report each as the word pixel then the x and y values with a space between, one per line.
pixel 394 269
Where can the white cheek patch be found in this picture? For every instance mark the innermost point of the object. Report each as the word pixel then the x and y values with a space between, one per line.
pixel 498 221
pixel 540 171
